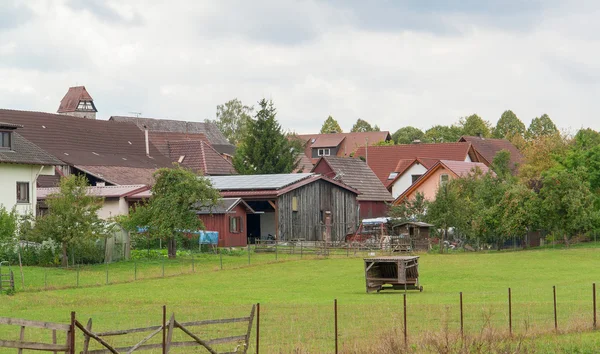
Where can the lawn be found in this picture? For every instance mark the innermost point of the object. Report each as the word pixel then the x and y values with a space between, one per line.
pixel 296 298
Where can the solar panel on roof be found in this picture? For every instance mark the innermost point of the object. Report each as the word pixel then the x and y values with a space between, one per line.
pixel 251 182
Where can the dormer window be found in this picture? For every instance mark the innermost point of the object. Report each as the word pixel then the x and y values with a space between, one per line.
pixel 5 140
pixel 324 152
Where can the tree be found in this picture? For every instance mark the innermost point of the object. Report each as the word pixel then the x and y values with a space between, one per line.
pixel 509 126
pixel 72 216
pixel 501 165
pixel 232 120
pixel 541 155
pixel 541 126
pixel 171 212
pixel 8 226
pixel 413 209
pixel 584 154
pixel 265 149
pixel 331 126
pixel 361 125
pixel 448 210
pixel 567 203
pixel 473 125
pixel 518 210
pixel 443 134
pixel 407 135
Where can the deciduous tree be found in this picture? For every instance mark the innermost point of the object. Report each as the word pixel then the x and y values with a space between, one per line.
pixel 362 125
pixel 408 135
pixel 443 134
pixel 509 126
pixel 331 126
pixel 474 125
pixel 232 119
pixel 265 149
pixel 541 126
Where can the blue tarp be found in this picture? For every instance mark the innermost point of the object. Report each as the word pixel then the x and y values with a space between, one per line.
pixel 209 237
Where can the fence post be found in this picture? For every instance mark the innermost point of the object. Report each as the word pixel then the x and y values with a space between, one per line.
pixel 221 259
pixel 509 312
pixel 163 267
pixel 72 334
pixel 276 242
pixel 335 311
pixel 135 269
pixel 248 247
pixel 257 327
pixel 46 278
pixel 193 269
pixel 106 273
pixel 405 323
pixel 78 275
pixel 594 301
pixel 300 249
pixel 555 317
pixel 462 333
pixel 164 329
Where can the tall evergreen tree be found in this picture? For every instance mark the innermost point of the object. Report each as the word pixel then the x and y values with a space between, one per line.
pixel 265 149
pixel 331 126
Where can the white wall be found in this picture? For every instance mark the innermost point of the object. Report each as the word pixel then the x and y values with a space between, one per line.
pixel 10 174
pixel 405 179
pixel 267 224
pixel 468 159
pixel 113 207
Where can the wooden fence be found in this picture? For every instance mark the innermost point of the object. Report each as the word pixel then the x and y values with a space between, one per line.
pixel 239 343
pixel 7 280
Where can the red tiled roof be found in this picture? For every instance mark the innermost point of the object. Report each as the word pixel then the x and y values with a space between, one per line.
pixel 71 100
pixel 161 139
pixel 488 148
pixel 99 191
pixel 88 142
pixel 348 142
pixel 304 165
pixel 386 159
pixel 120 175
pixel 200 157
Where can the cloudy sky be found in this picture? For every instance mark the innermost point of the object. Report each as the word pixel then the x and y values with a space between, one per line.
pixel 393 63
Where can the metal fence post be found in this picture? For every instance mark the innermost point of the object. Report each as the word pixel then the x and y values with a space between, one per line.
pixel 77 275
pixel 462 333
pixel 276 242
pixel 163 267
pixel 248 247
pixel 509 312
pixel 134 269
pixel 300 249
pixel 594 302
pixel 257 327
pixel 221 259
pixel 335 310
pixel 193 269
pixel 107 273
pixel 555 317
pixel 46 278
pixel 405 324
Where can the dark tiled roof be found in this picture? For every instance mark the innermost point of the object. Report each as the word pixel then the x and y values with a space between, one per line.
pixel 304 165
pixel 224 206
pixel 385 159
pixel 99 191
pixel 161 139
pixel 26 152
pixel 488 148
pixel 347 142
pixel 120 175
pixel 71 100
pixel 356 174
pixel 89 142
pixel 327 140
pixel 210 130
pixel 200 157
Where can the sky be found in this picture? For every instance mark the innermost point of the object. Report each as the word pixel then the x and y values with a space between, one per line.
pixel 392 63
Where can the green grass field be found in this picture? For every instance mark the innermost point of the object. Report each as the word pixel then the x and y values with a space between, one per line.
pixel 297 297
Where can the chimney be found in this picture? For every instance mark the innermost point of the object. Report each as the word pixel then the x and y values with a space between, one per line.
pixel 147 142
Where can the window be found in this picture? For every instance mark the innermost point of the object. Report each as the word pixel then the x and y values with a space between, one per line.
pixel 294 203
pixel 5 140
pixel 324 152
pixel 415 178
pixel 393 175
pixel 443 179
pixel 235 224
pixel 22 192
pixel 85 106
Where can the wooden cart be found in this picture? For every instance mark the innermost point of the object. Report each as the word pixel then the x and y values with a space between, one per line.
pixel 400 272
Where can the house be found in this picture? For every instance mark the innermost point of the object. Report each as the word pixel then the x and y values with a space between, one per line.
pixel 163 131
pixel 292 206
pixel 229 219
pixel 414 229
pixel 200 157
pixel 77 102
pixel 116 198
pixel 486 149
pixel 373 198
pixel 339 144
pixel 399 166
pixel 21 164
pixel 441 172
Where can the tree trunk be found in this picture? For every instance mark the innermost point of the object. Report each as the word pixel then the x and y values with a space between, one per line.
pixel 65 258
pixel 172 247
pixel 566 240
pixel 443 239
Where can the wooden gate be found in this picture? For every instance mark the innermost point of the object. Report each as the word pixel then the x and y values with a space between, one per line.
pixel 47 347
pixel 7 280
pixel 167 329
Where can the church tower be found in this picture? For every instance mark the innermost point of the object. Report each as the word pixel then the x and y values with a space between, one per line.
pixel 78 103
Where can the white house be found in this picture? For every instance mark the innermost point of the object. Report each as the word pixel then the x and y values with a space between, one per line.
pixel 21 163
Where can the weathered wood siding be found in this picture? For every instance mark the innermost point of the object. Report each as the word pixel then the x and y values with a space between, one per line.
pixel 314 200
pixel 220 223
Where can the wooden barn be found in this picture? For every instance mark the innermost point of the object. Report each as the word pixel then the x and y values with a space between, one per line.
pixel 228 218
pixel 293 206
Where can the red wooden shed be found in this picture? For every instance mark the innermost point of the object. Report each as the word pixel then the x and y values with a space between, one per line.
pixel 228 218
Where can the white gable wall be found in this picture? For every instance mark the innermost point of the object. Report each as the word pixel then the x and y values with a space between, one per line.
pixel 405 179
pixel 10 174
pixel 468 158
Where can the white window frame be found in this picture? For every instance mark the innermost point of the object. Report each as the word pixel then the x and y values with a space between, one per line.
pixel 324 152
pixel 23 201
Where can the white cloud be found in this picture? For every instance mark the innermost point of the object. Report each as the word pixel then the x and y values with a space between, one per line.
pixel 180 59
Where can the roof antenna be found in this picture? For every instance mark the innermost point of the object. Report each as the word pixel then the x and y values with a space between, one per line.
pixel 136 114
